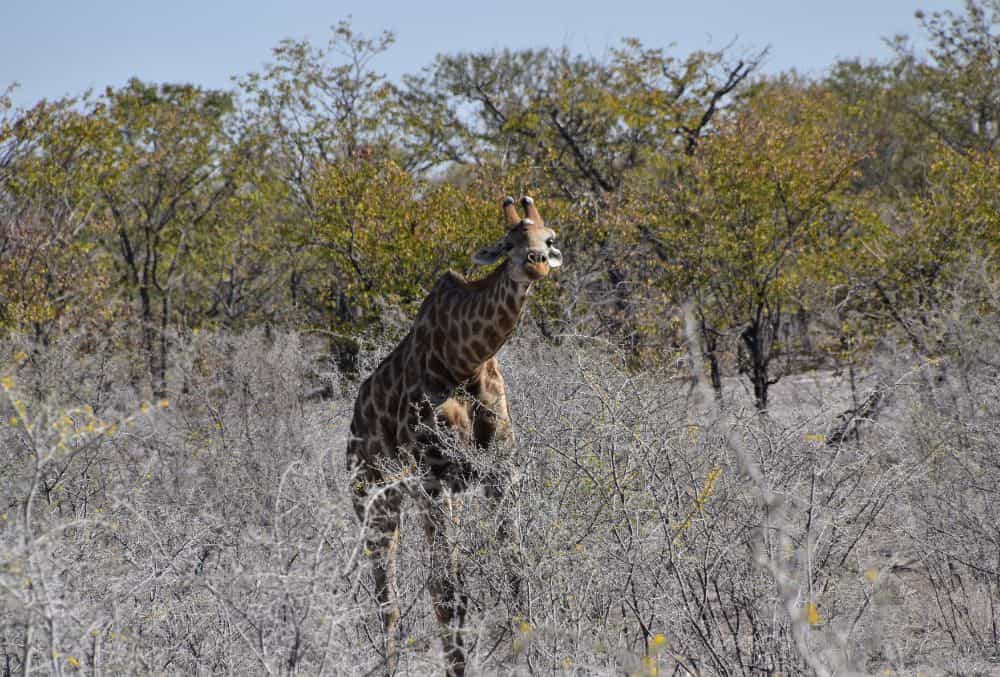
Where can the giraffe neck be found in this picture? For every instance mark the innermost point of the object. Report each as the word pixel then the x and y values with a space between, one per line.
pixel 470 322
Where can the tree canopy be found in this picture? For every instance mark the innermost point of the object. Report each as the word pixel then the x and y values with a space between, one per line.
pixel 790 213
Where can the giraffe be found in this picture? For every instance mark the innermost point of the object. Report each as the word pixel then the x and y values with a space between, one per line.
pixel 442 376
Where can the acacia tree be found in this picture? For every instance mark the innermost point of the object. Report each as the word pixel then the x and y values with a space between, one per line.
pixel 239 256
pixel 906 274
pixel 582 123
pixel 759 216
pixel 952 92
pixel 932 117
pixel 953 88
pixel 321 103
pixel 321 118
pixel 52 271
pixel 161 183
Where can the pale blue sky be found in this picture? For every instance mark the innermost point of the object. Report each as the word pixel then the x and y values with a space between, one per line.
pixel 56 47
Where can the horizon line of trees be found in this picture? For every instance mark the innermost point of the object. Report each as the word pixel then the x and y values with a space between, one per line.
pixel 801 220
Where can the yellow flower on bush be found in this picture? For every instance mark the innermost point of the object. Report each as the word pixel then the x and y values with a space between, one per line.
pixel 812 614
pixel 657 643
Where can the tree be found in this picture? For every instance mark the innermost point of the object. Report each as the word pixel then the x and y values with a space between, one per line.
pixel 905 275
pixel 319 105
pixel 321 120
pixel 759 217
pixel 52 271
pixel 386 236
pixel 953 89
pixel 581 123
pixel 933 118
pixel 161 183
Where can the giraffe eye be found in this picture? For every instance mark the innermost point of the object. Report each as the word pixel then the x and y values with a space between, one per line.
pixel 550 241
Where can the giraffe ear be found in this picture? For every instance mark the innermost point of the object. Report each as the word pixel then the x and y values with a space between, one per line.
pixel 490 254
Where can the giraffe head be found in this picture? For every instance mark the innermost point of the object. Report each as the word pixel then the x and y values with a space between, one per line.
pixel 527 243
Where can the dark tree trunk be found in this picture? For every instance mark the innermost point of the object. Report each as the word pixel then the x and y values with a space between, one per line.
pixel 758 343
pixel 159 383
pixel 148 332
pixel 155 344
pixel 710 341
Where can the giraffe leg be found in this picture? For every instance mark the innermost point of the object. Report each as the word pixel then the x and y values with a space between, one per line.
pixel 492 427
pixel 449 600
pixel 382 515
pixel 491 422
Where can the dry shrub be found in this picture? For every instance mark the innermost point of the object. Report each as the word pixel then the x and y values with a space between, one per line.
pixel 650 531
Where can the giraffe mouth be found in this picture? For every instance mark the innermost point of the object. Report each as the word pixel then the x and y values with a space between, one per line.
pixel 536 271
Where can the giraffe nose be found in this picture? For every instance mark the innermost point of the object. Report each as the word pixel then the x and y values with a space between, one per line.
pixel 535 256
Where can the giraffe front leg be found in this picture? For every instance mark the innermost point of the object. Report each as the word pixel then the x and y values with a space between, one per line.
pixel 445 580
pixel 491 424
pixel 493 429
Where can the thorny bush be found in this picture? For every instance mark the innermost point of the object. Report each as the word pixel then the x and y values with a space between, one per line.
pixel 653 531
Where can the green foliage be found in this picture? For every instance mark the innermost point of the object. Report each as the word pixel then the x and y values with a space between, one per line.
pixel 387 236
pixel 51 270
pixel 954 89
pixel 759 218
pixel 320 195
pixel 929 117
pixel 581 124
pixel 324 103
pixel 160 187
pixel 909 270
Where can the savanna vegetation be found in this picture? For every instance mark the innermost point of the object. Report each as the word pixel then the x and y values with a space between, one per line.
pixel 757 408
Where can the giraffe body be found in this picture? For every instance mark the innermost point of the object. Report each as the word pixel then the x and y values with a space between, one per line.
pixel 415 388
pixel 442 378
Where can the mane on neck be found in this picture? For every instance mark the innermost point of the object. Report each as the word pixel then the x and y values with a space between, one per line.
pixel 455 278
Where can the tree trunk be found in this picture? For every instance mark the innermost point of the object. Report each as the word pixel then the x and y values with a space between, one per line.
pixel 160 374
pixel 710 340
pixel 154 340
pixel 148 332
pixel 758 340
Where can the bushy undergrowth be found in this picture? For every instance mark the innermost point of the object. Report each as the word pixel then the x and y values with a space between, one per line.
pixel 654 532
